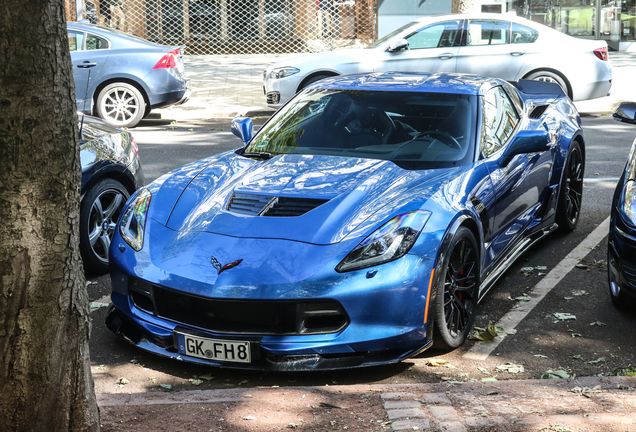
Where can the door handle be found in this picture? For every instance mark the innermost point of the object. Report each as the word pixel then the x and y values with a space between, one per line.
pixel 446 56
pixel 517 53
pixel 86 65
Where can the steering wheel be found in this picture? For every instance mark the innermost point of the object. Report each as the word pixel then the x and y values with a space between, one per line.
pixel 444 137
pixel 357 128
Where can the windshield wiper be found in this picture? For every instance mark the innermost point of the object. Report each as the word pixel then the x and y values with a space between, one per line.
pixel 262 155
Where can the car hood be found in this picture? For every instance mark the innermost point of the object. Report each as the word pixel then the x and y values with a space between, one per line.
pixel 328 197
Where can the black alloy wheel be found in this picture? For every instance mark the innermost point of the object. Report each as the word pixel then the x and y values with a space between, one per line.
pixel 571 194
pixel 457 294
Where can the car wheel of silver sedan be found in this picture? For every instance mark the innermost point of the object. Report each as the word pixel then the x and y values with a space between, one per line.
pixel 121 105
pixel 99 212
pixel 550 77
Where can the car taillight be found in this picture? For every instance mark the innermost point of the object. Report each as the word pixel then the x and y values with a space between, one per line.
pixel 601 53
pixel 134 146
pixel 169 60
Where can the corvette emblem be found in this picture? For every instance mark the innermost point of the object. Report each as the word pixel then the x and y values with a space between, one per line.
pixel 221 268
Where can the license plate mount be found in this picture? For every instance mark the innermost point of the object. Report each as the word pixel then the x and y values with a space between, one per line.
pixel 221 350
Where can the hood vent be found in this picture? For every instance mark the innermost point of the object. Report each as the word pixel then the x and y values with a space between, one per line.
pixel 538 111
pixel 267 205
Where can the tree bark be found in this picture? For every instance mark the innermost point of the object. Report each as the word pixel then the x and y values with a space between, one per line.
pixel 464 6
pixel 45 378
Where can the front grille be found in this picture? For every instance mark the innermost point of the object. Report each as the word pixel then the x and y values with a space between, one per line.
pixel 265 205
pixel 629 271
pixel 255 317
pixel 273 97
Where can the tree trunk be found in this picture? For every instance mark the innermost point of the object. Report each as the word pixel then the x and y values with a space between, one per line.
pixel 464 6
pixel 45 378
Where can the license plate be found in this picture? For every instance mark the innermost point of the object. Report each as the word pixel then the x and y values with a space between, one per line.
pixel 214 349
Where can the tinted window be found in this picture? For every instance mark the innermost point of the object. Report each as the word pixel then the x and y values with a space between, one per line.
pixel 437 35
pixel 94 42
pixel 487 32
pixel 414 130
pixel 75 40
pixel 499 120
pixel 523 34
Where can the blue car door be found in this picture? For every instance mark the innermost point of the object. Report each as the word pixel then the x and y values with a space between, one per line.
pixel 89 53
pixel 521 186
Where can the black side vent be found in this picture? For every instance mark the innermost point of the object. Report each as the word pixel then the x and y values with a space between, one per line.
pixel 538 111
pixel 265 205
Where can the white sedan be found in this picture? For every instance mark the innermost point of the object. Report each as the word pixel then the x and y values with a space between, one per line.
pixel 501 46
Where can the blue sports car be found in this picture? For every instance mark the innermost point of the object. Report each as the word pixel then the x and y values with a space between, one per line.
pixel 366 218
pixel 621 248
pixel 121 78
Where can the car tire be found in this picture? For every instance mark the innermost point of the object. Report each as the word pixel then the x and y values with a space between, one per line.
pixel 551 77
pixel 456 299
pixel 120 105
pixel 571 191
pixel 313 80
pixel 99 212
pixel 620 299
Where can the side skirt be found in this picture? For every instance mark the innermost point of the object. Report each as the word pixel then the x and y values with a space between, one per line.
pixel 495 272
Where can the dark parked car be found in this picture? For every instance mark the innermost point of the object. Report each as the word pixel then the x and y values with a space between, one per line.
pixel 363 222
pixel 111 172
pixel 121 78
pixel 621 249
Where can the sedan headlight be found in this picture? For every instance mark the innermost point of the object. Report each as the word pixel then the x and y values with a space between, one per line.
pixel 283 72
pixel 389 242
pixel 133 223
pixel 628 202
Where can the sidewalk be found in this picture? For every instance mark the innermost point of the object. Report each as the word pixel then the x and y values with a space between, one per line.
pixel 227 86
pixel 587 404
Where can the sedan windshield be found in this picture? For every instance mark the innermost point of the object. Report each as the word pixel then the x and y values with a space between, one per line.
pixel 413 130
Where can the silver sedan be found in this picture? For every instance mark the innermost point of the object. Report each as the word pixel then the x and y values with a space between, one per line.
pixel 501 46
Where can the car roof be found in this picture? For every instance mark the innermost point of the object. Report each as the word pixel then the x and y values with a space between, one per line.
pixel 456 83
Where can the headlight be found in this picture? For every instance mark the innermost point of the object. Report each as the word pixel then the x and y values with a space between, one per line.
pixel 133 223
pixel 283 72
pixel 628 200
pixel 389 242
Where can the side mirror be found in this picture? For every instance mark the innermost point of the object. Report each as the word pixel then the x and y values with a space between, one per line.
pixel 398 45
pixel 526 142
pixel 243 128
pixel 625 112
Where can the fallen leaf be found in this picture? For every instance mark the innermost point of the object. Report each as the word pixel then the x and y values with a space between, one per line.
pixel 207 377
pixel 510 368
pixel 555 374
pixel 292 426
pixel 577 356
pixel 244 382
pixel 581 266
pixel 435 362
pixel 597 361
pixel 249 418
pixel 484 334
pixel 196 382
pixel 597 323
pixel 540 355
pixel 580 293
pixel 122 381
pixel 564 316
pixel 523 298
pixel 166 386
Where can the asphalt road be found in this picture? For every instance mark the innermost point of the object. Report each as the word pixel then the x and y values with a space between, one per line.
pixel 600 340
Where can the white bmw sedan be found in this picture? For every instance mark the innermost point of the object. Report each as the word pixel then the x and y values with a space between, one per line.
pixel 501 46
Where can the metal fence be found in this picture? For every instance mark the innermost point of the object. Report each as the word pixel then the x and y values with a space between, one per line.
pixel 238 26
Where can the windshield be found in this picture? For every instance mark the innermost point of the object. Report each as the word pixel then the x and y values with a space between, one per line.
pixel 414 130
pixel 391 35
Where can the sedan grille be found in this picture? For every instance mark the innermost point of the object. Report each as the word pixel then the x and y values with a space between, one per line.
pixel 254 317
pixel 266 205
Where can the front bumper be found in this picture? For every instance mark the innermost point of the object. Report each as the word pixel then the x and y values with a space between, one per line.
pixel 384 310
pixel 621 261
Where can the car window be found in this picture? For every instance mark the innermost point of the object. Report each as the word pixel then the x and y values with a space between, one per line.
pixel 523 34
pixel 499 119
pixel 94 42
pixel 75 40
pixel 488 32
pixel 414 130
pixel 441 34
